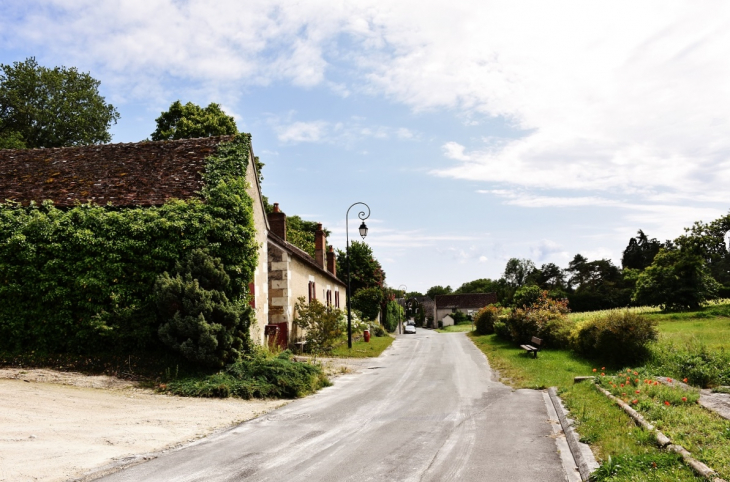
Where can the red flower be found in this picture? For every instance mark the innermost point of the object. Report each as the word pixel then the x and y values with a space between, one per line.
pixel 669 380
pixel 622 384
pixel 684 399
pixel 638 391
pixel 684 380
pixel 603 368
pixel 603 374
pixel 666 403
pixel 636 373
pixel 634 402
pixel 594 370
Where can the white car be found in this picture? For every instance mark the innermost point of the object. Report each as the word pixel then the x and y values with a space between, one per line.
pixel 410 329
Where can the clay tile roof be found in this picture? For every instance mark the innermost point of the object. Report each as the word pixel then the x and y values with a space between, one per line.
pixel 469 300
pixel 135 174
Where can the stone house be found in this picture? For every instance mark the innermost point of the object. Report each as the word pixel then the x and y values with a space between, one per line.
pixel 468 304
pixel 143 174
pixel 293 273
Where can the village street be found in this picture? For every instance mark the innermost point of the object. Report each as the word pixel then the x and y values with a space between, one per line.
pixel 427 409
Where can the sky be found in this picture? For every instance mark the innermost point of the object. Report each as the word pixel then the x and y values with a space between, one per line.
pixel 476 131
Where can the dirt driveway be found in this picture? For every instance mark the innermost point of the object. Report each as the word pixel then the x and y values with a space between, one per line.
pixel 56 426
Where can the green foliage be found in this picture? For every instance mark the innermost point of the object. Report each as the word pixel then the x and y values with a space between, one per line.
pixel 640 252
pixel 526 296
pixel 517 271
pixel 484 320
pixel 619 337
pixel 11 140
pixel 482 285
pixel 438 290
pixel 191 121
pixel 365 270
pixel 393 313
pixel 367 301
pixel 460 318
pixel 198 320
pixel 301 233
pixel 694 361
pixel 323 325
pixel 42 107
pixel 81 280
pixel 258 376
pixel 676 280
pixel 545 318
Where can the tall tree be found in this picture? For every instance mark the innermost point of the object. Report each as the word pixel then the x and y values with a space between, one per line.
pixel 640 252
pixel 517 271
pixel 190 120
pixel 43 107
pixel 677 279
pixel 481 285
pixel 365 270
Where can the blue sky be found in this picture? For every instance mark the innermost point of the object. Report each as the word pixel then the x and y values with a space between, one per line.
pixel 476 131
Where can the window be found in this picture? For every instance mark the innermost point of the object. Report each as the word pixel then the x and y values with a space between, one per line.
pixel 329 297
pixel 337 299
pixel 312 291
pixel 252 292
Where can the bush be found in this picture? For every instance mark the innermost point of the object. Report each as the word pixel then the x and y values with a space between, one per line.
pixel 460 318
pixel 393 313
pixel 502 330
pixel 526 296
pixel 620 337
pixel 198 320
pixel 323 325
pixel 379 331
pixel 702 367
pixel 485 318
pixel 545 318
pixel 259 376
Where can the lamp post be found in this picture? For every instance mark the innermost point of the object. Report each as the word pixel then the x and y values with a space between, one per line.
pixel 363 232
pixel 400 320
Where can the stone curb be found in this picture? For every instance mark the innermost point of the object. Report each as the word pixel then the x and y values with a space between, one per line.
pixel 571 436
pixel 663 441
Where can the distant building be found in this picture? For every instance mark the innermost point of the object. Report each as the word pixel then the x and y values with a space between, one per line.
pixel 471 302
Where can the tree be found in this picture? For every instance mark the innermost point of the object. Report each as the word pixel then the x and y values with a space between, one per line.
pixel 640 252
pixel 482 285
pixel 199 321
pixel 190 120
pixel 676 280
pixel 365 270
pixel 43 107
pixel 596 285
pixel 517 271
pixel 438 290
pixel 367 301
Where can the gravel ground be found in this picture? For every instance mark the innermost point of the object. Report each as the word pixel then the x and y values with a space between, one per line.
pixel 56 426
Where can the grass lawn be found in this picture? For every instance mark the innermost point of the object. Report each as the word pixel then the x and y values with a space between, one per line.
pixel 456 328
pixel 360 349
pixel 603 424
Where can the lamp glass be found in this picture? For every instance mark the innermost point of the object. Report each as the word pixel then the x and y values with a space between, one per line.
pixel 363 230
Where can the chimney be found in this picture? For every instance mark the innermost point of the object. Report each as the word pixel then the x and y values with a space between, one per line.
pixel 319 245
pixel 331 261
pixel 277 221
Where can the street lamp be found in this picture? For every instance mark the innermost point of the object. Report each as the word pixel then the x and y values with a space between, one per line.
pixel 400 320
pixel 363 232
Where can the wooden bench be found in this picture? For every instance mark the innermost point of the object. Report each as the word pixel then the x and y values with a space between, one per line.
pixel 534 347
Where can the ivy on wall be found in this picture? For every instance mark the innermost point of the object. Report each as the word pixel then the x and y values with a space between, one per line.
pixel 81 280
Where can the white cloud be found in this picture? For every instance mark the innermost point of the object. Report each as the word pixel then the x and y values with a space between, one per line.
pixel 302 131
pixel 604 96
pixel 546 248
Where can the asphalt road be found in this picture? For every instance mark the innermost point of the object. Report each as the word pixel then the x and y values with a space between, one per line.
pixel 425 410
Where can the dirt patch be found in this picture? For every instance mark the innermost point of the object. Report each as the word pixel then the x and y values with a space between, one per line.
pixel 56 426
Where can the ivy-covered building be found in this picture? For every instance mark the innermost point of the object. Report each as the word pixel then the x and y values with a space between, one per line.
pixel 85 231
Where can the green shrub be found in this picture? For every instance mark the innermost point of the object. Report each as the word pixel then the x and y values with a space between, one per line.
pixel 699 365
pixel 545 318
pixel 258 376
pixel 485 318
pixel 393 313
pixel 460 318
pixel 323 325
pixel 81 280
pixel 619 336
pixel 502 330
pixel 198 320
pixel 367 301
pixel 379 331
pixel 526 296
